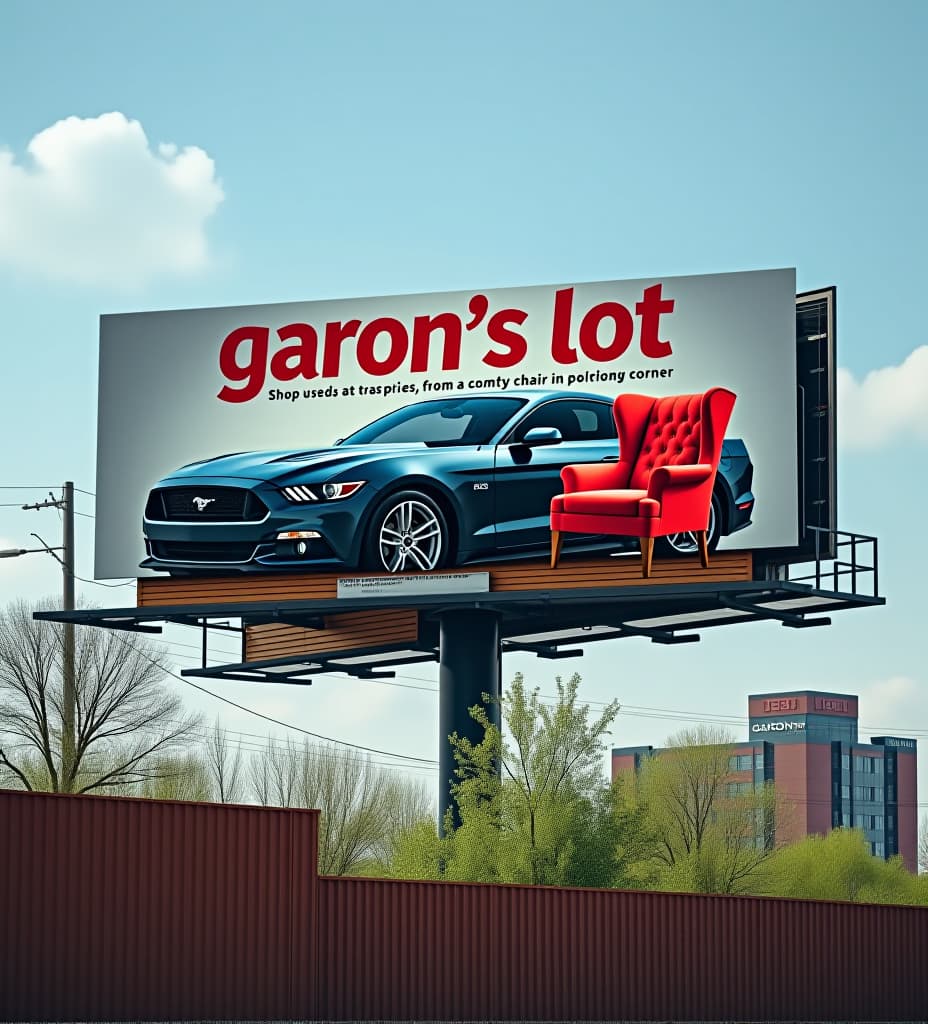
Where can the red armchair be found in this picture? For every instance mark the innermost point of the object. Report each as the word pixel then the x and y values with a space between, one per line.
pixel 669 451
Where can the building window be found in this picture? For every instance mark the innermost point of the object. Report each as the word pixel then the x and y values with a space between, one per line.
pixel 890 766
pixel 868 794
pixel 890 792
pixel 845 792
pixel 846 762
pixel 739 788
pixel 890 822
pixel 877 849
pixel 846 819
pixel 741 763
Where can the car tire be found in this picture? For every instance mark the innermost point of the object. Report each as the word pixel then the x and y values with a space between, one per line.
pixel 685 543
pixel 408 532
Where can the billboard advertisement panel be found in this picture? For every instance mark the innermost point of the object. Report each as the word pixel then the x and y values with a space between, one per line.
pixel 421 432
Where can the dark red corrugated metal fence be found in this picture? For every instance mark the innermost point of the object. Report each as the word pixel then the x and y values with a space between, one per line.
pixel 118 909
pixel 432 951
pixel 123 909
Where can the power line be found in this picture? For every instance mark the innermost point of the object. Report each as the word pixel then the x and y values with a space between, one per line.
pixel 626 710
pixel 277 721
pixel 97 583
pixel 255 743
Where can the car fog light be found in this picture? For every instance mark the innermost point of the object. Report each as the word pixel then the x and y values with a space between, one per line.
pixel 301 547
pixel 299 535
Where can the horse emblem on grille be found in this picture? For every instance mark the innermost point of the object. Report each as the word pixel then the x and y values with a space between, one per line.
pixel 201 503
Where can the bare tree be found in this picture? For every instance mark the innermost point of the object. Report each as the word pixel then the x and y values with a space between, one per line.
pixel 362 808
pixel 225 767
pixel 126 722
pixel 274 775
pixel 923 845
pixel 410 803
pixel 186 777
pixel 712 835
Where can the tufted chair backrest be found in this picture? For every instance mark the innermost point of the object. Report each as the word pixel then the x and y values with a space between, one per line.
pixel 679 430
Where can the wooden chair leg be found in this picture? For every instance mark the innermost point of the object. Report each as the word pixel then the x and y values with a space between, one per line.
pixel 556 541
pixel 703 549
pixel 647 553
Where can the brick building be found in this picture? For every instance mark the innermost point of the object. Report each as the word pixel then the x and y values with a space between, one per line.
pixel 806 742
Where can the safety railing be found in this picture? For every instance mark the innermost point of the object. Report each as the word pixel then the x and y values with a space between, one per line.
pixel 856 557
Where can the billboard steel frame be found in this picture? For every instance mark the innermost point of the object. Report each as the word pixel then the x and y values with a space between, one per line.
pixel 467 634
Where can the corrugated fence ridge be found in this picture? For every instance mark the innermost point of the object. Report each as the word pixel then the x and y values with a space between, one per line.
pixel 128 909
pixel 429 951
pixel 118 909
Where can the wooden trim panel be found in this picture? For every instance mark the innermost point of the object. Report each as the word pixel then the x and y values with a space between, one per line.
pixel 623 571
pixel 351 631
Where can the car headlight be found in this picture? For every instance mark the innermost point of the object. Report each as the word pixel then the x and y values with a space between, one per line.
pixel 302 494
pixel 333 491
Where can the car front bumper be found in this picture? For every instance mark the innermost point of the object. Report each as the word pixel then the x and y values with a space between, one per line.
pixel 193 546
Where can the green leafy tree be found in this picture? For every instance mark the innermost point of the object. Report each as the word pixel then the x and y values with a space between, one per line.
pixel 707 836
pixel 839 866
pixel 534 807
pixel 418 853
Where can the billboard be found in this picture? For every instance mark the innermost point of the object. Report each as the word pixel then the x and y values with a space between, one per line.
pixel 426 432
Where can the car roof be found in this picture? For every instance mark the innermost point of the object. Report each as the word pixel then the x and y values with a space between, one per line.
pixel 528 393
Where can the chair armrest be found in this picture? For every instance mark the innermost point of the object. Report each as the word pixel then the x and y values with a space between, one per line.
pixel 665 477
pixel 594 476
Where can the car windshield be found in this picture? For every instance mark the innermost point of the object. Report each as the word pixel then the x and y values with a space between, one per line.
pixel 442 422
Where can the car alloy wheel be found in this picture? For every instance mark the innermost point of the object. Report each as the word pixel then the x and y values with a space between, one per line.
pixel 686 543
pixel 410 534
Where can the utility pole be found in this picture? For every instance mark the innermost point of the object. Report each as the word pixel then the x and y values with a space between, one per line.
pixel 68 701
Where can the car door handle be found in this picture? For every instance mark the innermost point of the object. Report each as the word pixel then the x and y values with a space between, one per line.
pixel 609 458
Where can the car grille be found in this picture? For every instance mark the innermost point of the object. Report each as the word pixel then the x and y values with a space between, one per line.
pixel 182 551
pixel 224 505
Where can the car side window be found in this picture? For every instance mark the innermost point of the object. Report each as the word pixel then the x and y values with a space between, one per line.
pixel 576 419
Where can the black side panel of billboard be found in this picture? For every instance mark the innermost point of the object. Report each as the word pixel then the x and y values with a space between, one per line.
pixel 815 379
pixel 817 452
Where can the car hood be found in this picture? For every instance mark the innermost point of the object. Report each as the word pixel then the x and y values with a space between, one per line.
pixel 281 464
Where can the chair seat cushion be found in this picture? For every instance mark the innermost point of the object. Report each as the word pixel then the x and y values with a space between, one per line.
pixel 607 503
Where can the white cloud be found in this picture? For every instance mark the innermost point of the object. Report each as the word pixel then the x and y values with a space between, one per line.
pixel 888 403
pixel 96 204
pixel 889 704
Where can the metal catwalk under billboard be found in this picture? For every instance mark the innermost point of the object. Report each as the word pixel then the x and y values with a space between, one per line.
pixel 421 432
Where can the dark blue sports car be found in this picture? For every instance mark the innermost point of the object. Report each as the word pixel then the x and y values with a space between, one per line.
pixel 438 483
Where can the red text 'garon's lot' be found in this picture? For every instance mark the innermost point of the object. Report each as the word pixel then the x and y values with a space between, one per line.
pixel 384 344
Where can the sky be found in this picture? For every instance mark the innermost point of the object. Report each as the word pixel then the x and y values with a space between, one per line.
pixel 183 155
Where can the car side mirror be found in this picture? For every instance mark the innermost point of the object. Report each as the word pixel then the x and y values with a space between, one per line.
pixel 541 435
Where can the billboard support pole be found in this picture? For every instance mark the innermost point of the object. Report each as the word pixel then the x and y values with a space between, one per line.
pixel 68 741
pixel 468 667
